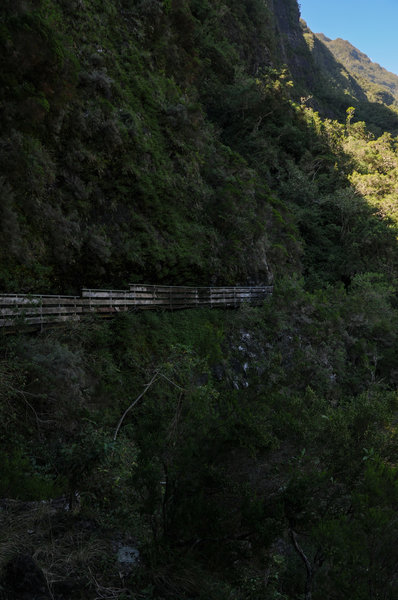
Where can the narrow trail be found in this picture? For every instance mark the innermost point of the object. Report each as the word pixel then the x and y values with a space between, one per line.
pixel 39 309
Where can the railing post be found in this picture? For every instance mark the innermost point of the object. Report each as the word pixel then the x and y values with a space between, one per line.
pixel 134 292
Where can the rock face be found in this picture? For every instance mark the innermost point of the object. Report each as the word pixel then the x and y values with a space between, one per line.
pixel 24 580
pixel 293 47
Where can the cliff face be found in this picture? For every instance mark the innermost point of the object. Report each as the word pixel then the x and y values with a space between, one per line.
pixel 332 72
pixel 292 46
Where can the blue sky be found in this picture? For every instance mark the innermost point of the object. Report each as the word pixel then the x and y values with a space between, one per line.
pixel 370 26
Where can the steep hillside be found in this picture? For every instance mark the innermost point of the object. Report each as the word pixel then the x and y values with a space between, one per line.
pixel 111 167
pixel 151 142
pixel 385 88
pixel 338 83
pixel 245 454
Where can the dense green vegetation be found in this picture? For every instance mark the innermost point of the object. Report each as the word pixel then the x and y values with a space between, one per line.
pixel 342 73
pixel 128 179
pixel 385 88
pixel 261 425
pixel 186 141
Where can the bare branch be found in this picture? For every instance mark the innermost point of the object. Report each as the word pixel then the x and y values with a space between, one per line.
pixel 156 376
pixel 172 382
pixel 309 568
pixel 148 385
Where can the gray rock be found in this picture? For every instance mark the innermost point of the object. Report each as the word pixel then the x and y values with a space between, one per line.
pixel 128 558
pixel 129 555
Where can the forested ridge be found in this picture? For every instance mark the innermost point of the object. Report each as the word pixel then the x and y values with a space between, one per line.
pixel 240 455
pixel 380 84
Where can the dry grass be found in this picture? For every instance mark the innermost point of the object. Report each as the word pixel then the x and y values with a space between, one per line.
pixel 61 547
pixel 20 523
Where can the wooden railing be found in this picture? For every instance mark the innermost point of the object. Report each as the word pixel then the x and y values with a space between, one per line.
pixel 44 309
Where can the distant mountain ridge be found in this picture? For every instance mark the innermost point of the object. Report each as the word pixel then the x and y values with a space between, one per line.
pixel 335 75
pixel 361 66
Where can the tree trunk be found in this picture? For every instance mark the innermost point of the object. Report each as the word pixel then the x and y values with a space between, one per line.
pixel 309 568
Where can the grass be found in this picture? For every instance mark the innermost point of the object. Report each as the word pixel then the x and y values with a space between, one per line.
pixel 69 550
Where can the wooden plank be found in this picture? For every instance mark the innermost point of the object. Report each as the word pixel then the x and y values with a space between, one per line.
pixel 37 300
pixel 38 308
pixel 18 295
pixel 109 295
pixel 99 290
pixel 178 295
pixel 139 287
pixel 145 289
pixel 176 288
pixel 116 302
pixel 41 310
pixel 104 294
pixel 39 320
pixel 228 296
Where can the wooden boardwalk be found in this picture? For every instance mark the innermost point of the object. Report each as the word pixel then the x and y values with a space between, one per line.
pixel 37 309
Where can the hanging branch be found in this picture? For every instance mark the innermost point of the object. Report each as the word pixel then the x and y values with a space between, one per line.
pixel 148 385
pixel 156 376
pixel 308 566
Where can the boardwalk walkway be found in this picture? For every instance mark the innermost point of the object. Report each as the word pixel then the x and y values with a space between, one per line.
pixel 39 310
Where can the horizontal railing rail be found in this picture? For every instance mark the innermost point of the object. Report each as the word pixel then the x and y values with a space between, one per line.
pixel 41 309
